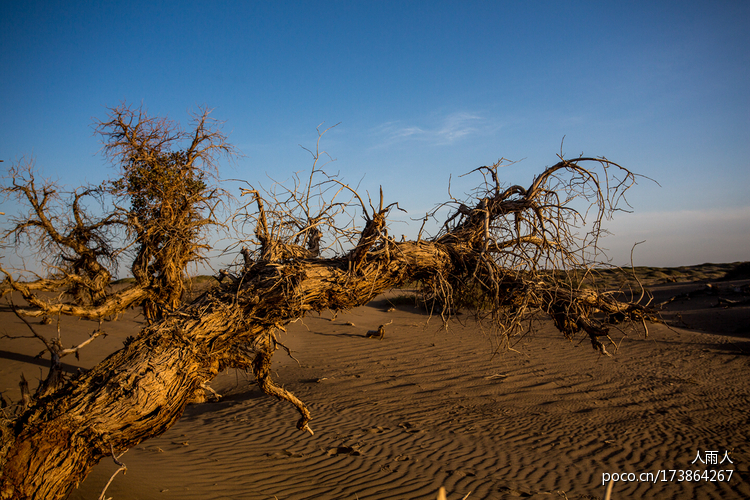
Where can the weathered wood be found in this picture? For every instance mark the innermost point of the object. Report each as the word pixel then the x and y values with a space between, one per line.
pixel 495 255
pixel 140 391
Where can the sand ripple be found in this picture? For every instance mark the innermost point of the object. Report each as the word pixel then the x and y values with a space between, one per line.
pixel 425 408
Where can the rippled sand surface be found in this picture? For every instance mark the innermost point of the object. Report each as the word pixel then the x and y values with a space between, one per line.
pixel 424 407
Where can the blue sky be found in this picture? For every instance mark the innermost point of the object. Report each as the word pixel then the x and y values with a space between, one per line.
pixel 422 90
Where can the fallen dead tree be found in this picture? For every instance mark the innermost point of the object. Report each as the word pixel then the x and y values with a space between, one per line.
pixel 493 253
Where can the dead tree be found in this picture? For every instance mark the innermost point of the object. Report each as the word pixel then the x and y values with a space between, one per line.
pixel 499 251
pixel 156 213
pixel 171 197
pixel 75 247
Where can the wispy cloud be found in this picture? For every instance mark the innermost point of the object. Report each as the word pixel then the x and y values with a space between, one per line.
pixel 449 129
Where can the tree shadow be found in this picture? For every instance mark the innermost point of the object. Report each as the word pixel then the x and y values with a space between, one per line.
pixel 36 360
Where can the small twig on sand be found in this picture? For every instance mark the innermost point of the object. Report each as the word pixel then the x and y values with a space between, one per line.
pixel 122 468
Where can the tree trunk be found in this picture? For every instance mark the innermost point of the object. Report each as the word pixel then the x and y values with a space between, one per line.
pixel 141 390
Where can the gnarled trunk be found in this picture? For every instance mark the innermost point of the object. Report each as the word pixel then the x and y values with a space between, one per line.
pixel 141 390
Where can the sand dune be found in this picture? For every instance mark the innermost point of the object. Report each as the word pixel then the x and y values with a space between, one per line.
pixel 424 407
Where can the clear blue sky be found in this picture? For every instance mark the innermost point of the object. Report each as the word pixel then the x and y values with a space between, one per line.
pixel 422 90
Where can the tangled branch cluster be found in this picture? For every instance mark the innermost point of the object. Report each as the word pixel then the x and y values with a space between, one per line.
pixel 521 250
pixel 156 214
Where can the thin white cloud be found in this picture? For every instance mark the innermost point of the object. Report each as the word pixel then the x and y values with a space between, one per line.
pixel 449 129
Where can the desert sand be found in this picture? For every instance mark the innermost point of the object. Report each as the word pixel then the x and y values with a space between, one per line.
pixel 427 407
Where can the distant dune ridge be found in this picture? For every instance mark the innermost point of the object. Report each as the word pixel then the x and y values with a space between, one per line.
pixel 425 407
